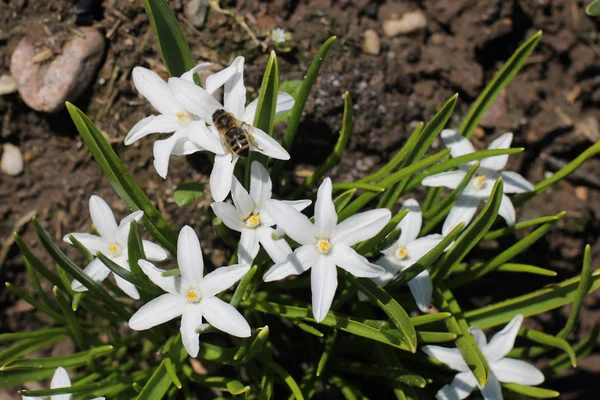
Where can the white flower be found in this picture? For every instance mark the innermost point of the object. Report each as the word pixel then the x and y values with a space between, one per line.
pixel 192 296
pixel 405 252
pixel 278 35
pixel 481 184
pixel 112 242
pixel 250 217
pixel 503 369
pixel 201 102
pixel 191 134
pixel 325 245
pixel 59 380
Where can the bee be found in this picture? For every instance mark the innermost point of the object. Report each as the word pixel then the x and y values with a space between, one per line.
pixel 236 136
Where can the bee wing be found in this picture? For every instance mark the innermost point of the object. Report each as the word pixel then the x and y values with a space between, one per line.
pixel 248 130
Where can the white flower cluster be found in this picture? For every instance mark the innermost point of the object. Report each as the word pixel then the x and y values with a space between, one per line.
pixel 191 112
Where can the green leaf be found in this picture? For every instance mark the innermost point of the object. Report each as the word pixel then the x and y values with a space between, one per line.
pixel 582 289
pixel 292 88
pixel 122 181
pixel 357 185
pixel 343 199
pixel 521 225
pixel 327 351
pixel 252 347
pixel 593 9
pixel 37 264
pixel 349 391
pixel 582 349
pixel 549 340
pixel 500 81
pixel 308 329
pixel 158 384
pixel 509 267
pixel 267 98
pixel 40 333
pixel 36 304
pixel 224 233
pixel 535 392
pixel 27 346
pixel 137 281
pixel 174 49
pixel 243 286
pixel 370 244
pixel 435 337
pixel 425 319
pixel 398 374
pixel 287 378
pixel 70 318
pixel 187 192
pixel 81 249
pixel 18 378
pixel 68 361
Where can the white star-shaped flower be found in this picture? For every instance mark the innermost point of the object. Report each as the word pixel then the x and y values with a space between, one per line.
pixel 192 296
pixel 405 252
pixel 325 245
pixel 278 35
pixel 191 134
pixel 112 242
pixel 503 369
pixel 481 184
pixel 249 216
pixel 59 380
pixel 201 102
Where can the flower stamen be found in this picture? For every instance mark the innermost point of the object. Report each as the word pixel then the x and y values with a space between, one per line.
pixel 114 249
pixel 193 295
pixel 252 221
pixel 324 246
pixel 478 182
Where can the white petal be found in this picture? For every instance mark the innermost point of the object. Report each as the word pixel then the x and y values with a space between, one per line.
pixel 421 288
pixel 189 256
pixel 103 218
pixel 163 150
pixel 461 387
pixel 185 147
pixel 154 252
pixel 278 249
pixel 241 199
pixel 517 371
pixel 479 336
pixel 152 124
pixel 218 79
pixel 361 226
pixel 325 215
pixel 96 270
pixel 224 317
pixel 459 146
pixel 222 278
pixel 422 246
pixel 411 223
pixel 507 210
pixel 302 259
pixel 156 91
pixel 260 185
pixel 295 224
pixel 297 204
pixel 201 135
pixel 91 242
pixel 191 319
pixel 194 99
pixel 391 268
pixel 348 259
pixel 171 284
pixel 498 162
pixel 250 112
pixel 492 390
pixel 450 179
pixel 125 226
pixel 127 287
pixel 228 214
pixel 285 102
pixel 158 311
pixel 463 211
pixel 268 146
pixel 189 75
pixel 248 247
pixel 222 176
pixel 60 379
pixel 449 356
pixel 515 183
pixel 234 96
pixel 503 341
pixel 323 283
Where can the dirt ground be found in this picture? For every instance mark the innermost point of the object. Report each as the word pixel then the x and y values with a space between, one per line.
pixel 552 107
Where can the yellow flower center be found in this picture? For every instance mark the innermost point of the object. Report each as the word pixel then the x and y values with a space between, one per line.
pixel 401 254
pixel 183 117
pixel 478 182
pixel 252 221
pixel 114 249
pixel 324 246
pixel 193 296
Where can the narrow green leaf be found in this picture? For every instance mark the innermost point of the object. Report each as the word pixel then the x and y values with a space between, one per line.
pixel 33 277
pixel 357 185
pixel 89 257
pixel 425 319
pixel 158 385
pixel 349 391
pixel 135 251
pixel 343 199
pixel 137 281
pixel 37 264
pixel 521 225
pixel 551 341
pixel 241 288
pixel 582 349
pixel 36 304
pixel 18 378
pixel 370 244
pixel 309 329
pixel 509 267
pixel 593 9
pixel 267 98
pixel 187 192
pixel 267 386
pixel 27 346
pixel 40 333
pixel 398 374
pixel 535 392
pixel 172 373
pixel 70 318
pixel 327 351
pixel 255 346
pixel 68 361
pixel 435 337
pixel 287 378
pixel 500 81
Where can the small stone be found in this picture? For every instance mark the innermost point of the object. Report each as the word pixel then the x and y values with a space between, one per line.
pixel 371 43
pixel 8 85
pixel 12 160
pixel 410 22
pixel 195 11
pixel 46 87
pixel 582 193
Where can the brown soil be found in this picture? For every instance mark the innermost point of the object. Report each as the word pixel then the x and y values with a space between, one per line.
pixel 551 107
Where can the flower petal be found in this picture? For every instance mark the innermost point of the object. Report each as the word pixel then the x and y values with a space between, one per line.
pixel 285 102
pixel 158 311
pixel 391 268
pixel 498 162
pixel 503 341
pixel 260 185
pixel 250 112
pixel 59 380
pixel 463 211
pixel 103 218
pixel 163 150
pixel 194 99
pixel 91 242
pixel 248 247
pixel 515 183
pixel 234 96
pixel 191 319
pixel 479 336
pixel 218 79
pixel 450 179
pixel 185 147
pixel 325 215
pixel 278 249
pixel 449 356
pixel 517 371
pixel 221 279
pixel 459 146
pixel 189 256
pixel 189 75
pixel 323 283
pixel 299 205
pixel 156 91
pixel 301 260
pixel 127 287
pixel 348 259
pixel 268 146
pixel 125 225
pixel 225 317
pixel 96 270
pixel 411 223
pixel 295 224
pixel 152 124
pixel 222 176
pixel 171 284
pixel 241 199
pixel 507 210
pixel 492 390
pixel 461 387
pixel 421 288
pixel 201 135
pixel 422 246
pixel 154 252
pixel 360 226
pixel 228 214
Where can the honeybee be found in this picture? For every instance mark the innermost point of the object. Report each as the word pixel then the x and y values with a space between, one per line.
pixel 236 136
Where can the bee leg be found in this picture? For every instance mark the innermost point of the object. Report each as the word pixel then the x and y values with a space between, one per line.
pixel 251 140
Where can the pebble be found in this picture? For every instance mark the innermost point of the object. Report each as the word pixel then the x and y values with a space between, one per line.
pixel 8 84
pixel 410 22
pixel 371 43
pixel 47 86
pixel 12 160
pixel 195 11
